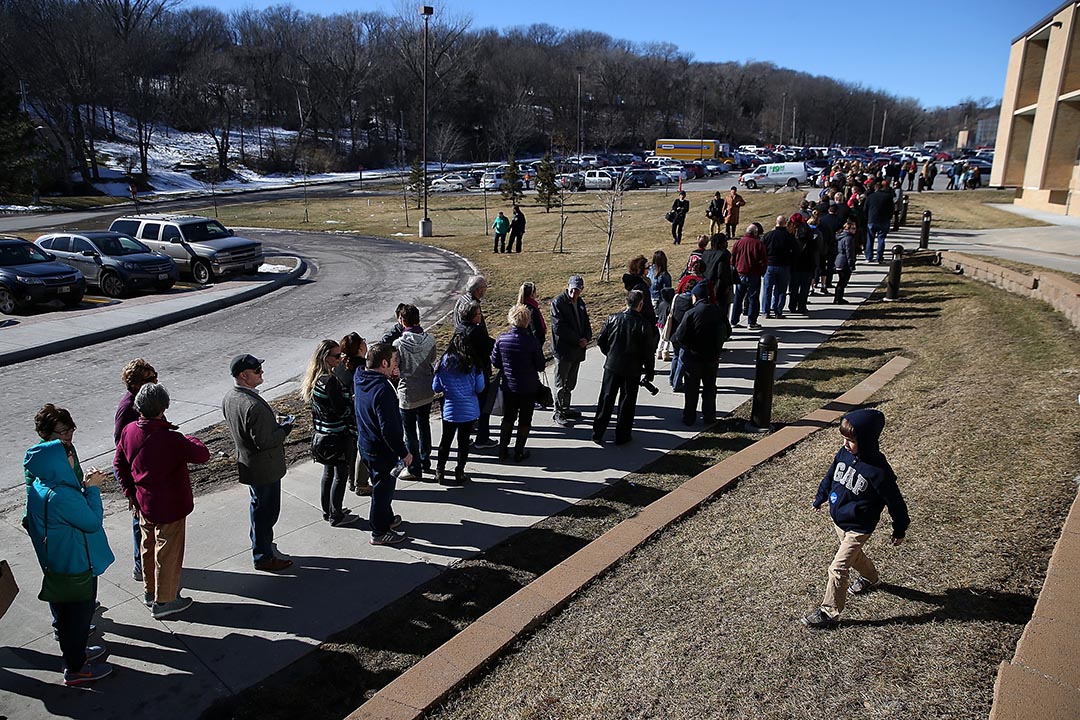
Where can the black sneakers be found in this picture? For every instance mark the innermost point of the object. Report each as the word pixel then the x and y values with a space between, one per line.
pixel 820 620
pixel 862 586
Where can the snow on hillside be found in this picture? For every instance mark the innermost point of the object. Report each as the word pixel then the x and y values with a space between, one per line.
pixel 172 150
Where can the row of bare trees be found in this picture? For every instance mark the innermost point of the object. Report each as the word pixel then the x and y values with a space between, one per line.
pixel 348 85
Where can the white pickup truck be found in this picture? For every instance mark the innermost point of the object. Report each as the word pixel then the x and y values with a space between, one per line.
pixel 599 180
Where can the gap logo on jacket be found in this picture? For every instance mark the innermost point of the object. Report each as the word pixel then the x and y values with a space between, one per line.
pixel 859 487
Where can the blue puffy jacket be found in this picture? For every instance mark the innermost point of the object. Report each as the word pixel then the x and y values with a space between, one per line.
pixel 460 389
pixel 74 513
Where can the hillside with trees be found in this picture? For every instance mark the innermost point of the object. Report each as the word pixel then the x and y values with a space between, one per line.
pixel 348 88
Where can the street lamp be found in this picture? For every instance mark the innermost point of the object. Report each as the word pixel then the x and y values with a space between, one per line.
pixel 425 222
pixel 580 149
pixel 873 116
pixel 783 111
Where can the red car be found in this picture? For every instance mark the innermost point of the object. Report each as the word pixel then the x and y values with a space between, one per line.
pixel 694 170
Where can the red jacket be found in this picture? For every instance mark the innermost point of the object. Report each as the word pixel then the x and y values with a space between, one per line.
pixel 749 256
pixel 151 465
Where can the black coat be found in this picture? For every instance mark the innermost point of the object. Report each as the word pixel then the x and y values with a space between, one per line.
pixel 628 341
pixel 701 332
pixel 569 325
pixel 879 206
pixel 637 282
pixel 780 245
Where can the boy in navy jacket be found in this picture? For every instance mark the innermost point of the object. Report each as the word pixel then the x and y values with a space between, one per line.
pixel 859 484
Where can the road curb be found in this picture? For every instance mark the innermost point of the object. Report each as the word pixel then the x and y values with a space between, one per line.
pixel 144 325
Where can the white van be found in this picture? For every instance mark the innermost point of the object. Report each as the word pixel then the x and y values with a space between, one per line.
pixel 792 174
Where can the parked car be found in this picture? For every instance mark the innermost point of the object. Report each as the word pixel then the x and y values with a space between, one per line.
pixel 695 170
pixel 114 262
pixel 633 179
pixel 29 274
pixel 571 181
pixel 198 245
pixel 452 183
pixel 715 167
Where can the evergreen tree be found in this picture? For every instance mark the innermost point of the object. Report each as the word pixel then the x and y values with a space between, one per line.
pixel 548 192
pixel 512 187
pixel 416 182
pixel 17 146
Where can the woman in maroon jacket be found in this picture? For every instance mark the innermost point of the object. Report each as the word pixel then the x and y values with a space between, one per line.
pixel 151 465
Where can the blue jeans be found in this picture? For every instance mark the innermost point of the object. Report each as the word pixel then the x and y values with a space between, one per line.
pixel 72 623
pixel 747 287
pixel 136 536
pixel 876 231
pixel 775 288
pixel 417 422
pixel 265 508
pixel 383 484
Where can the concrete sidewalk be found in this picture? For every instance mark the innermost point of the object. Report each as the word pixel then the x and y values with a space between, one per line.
pixel 246 625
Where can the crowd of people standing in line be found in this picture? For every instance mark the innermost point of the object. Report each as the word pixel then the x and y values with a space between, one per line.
pixel 963 174
pixel 371 405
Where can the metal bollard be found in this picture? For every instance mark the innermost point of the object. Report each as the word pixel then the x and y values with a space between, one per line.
pixel 924 238
pixel 892 282
pixel 764 378
pixel 903 210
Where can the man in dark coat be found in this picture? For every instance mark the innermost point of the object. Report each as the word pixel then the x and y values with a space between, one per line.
pixel 380 438
pixel 517 230
pixel 700 334
pixel 679 209
pixel 570 335
pixel 879 206
pixel 780 249
pixel 720 275
pixel 628 340
pixel 260 456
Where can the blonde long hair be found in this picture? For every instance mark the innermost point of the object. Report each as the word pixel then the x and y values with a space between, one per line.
pixel 317 367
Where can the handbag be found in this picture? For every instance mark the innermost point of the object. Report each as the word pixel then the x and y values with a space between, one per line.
pixel 670 216
pixel 8 588
pixel 543 395
pixel 328 448
pixel 493 399
pixel 64 587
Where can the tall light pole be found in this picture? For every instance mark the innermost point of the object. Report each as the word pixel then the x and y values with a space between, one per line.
pixel 873 116
pixel 783 111
pixel 701 148
pixel 580 141
pixel 425 222
pixel 884 117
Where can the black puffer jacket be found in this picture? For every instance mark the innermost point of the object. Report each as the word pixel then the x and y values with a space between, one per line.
pixel 637 282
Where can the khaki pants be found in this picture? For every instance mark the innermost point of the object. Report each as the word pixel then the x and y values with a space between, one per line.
pixel 715 226
pixel 162 558
pixel 849 555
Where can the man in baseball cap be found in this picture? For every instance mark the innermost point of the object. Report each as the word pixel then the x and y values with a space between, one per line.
pixel 260 455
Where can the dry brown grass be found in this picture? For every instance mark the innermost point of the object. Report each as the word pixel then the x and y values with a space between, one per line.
pixel 459 225
pixel 967 210
pixel 701 623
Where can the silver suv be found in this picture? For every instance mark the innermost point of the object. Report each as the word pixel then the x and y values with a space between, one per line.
pixel 199 245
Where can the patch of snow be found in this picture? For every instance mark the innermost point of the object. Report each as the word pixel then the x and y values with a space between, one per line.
pixel 402 235
pixel 269 268
pixel 334 222
pixel 25 208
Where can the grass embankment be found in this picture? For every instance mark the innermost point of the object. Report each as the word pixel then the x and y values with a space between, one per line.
pixel 983 434
pixel 966 210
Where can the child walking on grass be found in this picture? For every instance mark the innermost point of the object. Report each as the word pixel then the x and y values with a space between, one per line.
pixel 858 486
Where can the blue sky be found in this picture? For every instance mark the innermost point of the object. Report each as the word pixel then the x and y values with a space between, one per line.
pixel 937 51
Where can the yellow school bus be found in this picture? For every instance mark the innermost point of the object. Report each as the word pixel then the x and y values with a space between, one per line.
pixel 692 149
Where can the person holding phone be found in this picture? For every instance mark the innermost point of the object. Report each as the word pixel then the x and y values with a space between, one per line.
pixel 259 437
pixel 64 521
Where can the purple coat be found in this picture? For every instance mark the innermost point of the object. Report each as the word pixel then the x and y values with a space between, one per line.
pixel 519 356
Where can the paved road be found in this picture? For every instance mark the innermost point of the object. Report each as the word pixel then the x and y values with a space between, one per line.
pixel 353 283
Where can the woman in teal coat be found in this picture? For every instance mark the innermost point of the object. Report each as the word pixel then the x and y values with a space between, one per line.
pixel 501 227
pixel 64 519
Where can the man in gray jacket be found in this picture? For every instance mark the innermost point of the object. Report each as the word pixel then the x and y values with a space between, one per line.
pixel 416 363
pixel 260 456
